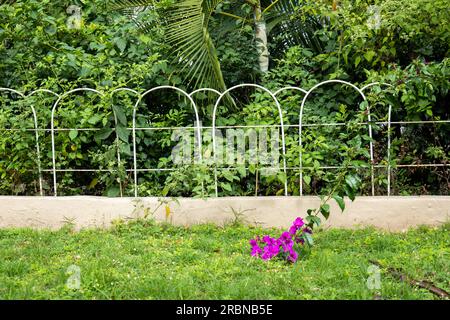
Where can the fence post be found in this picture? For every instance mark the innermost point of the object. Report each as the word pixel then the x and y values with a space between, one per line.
pixel 389 152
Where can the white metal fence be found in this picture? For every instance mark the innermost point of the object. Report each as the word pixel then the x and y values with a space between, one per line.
pixel 197 127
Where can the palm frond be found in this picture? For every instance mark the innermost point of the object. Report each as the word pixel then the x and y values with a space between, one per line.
pixel 186 24
pixel 188 31
pixel 132 8
pixel 286 32
pixel 128 4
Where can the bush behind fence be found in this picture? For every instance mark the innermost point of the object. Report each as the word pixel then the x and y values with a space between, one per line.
pixel 85 142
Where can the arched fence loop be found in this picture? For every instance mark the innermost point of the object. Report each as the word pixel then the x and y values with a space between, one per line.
pixel 198 127
pixel 204 90
pixel 36 129
pixel 303 91
pixel 52 125
pixel 280 112
pixel 277 92
pixel 300 124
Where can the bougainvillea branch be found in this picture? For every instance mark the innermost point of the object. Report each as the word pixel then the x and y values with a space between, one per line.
pixel 300 232
pixel 285 245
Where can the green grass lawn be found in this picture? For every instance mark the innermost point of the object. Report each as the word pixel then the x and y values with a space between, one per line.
pixel 145 260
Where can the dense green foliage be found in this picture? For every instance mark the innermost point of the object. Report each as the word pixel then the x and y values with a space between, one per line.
pixel 144 260
pixel 407 49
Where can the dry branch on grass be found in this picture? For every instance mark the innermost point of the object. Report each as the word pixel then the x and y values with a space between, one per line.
pixel 424 284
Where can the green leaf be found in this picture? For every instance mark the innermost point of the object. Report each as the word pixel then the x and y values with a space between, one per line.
pixel 314 220
pixel 340 201
pixel 51 29
pixel 73 134
pixel 123 133
pixel 125 148
pixel 120 115
pixel 357 61
pixel 113 191
pixel 226 186
pixel 352 182
pixel 165 191
pixel 325 210
pixel 94 119
pixel 308 238
pixel 228 175
pixel 85 71
pixel 369 55
pixel 103 134
pixel 93 183
pixel 350 193
pixel 307 179
pixel 241 170
pixel 282 177
pixel 121 43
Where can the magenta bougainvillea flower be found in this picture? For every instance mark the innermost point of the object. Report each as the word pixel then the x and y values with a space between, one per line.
pixel 298 223
pixel 282 246
pixel 270 251
pixel 293 255
pixel 286 241
pixel 256 250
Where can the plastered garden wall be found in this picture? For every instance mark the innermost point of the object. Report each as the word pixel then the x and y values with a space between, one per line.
pixel 387 213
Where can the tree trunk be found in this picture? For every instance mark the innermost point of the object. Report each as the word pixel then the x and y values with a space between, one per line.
pixel 261 38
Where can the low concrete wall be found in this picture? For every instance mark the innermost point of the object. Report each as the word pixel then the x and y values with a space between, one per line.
pixel 389 213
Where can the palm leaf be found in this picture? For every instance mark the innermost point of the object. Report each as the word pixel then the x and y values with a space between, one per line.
pixel 286 32
pixel 187 30
pixel 127 4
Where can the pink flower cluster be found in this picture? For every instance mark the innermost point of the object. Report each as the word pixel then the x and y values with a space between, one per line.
pixel 284 244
